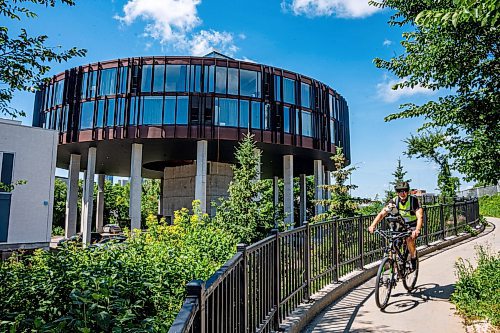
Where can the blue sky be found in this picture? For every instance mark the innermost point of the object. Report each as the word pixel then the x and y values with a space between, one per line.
pixel 334 41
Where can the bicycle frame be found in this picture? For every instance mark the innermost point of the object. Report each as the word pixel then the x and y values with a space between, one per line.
pixel 392 249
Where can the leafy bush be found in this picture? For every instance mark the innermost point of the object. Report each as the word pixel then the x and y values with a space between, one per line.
pixel 135 286
pixel 477 292
pixel 490 205
pixel 57 231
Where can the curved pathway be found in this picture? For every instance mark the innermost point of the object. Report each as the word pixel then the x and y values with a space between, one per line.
pixel 427 309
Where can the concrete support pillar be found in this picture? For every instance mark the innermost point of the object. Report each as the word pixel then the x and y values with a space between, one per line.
pixel 88 200
pixel 200 188
pixel 318 181
pixel 160 199
pixel 288 190
pixel 276 198
pixel 303 198
pixel 72 195
pixel 82 213
pixel 135 186
pixel 99 221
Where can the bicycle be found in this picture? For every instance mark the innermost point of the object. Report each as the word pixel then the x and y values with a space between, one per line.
pixel 396 260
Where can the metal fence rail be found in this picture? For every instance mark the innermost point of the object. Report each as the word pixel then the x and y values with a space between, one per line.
pixel 265 282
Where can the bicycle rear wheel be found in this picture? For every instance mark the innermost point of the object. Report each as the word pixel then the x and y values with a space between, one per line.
pixel 410 278
pixel 384 283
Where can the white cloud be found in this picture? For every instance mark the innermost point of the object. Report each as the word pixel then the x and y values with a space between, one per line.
pixel 173 23
pixel 387 94
pixel 387 42
pixel 339 8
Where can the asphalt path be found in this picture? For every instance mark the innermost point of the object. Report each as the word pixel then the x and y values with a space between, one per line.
pixel 427 309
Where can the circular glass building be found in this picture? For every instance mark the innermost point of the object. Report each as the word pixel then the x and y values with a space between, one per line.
pixel 179 119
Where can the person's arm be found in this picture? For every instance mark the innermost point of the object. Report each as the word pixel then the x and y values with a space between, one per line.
pixel 378 218
pixel 420 221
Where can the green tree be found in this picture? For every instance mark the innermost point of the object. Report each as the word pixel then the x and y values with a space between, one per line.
pixel 428 146
pixel 240 213
pixel 461 60
pixel 149 200
pixel 24 59
pixel 399 176
pixel 341 203
pixel 59 209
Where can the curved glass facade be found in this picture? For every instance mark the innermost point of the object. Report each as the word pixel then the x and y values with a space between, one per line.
pixel 195 92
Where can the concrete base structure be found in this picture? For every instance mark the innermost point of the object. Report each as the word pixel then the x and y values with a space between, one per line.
pixel 88 198
pixel 135 186
pixel 288 190
pixel 72 196
pixel 99 221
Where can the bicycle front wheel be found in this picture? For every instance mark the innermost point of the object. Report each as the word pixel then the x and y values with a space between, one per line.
pixel 384 283
pixel 411 276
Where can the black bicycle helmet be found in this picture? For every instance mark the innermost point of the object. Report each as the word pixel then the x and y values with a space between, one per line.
pixel 402 186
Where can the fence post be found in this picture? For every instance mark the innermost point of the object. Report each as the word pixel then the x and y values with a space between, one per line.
pixel 336 249
pixel 426 227
pixel 196 288
pixel 455 217
pixel 277 282
pixel 441 219
pixel 360 243
pixel 307 261
pixel 243 287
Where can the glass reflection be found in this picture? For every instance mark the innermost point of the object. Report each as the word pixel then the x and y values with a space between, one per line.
pixel 152 110
pixel 87 115
pixel 289 91
pixel 169 111
pixel 232 84
pixel 286 119
pixel 107 83
pixel 256 115
pixel 332 131
pixel 182 110
pixel 120 112
pixel 176 78
pixel 134 110
pixel 159 78
pixel 220 80
pixel 100 113
pixel 226 112
pixel 110 112
pixel 244 113
pixel 307 123
pixel 249 83
pixel 123 72
pixel 277 88
pixel 305 95
pixel 147 74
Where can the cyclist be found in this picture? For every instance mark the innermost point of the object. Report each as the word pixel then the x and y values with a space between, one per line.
pixel 409 208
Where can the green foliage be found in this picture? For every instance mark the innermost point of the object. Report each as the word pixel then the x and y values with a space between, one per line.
pixel 428 145
pixel 136 286
pixel 341 203
pixel 240 213
pixel 490 205
pixel 24 59
pixel 11 187
pixel 399 176
pixel 370 209
pixel 59 209
pixel 150 195
pixel 477 291
pixel 460 59
pixel 57 231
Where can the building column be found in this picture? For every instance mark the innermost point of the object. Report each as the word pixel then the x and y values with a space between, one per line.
pixel 89 195
pixel 318 181
pixel 100 203
pixel 288 190
pixel 276 196
pixel 72 195
pixel 82 213
pixel 200 187
pixel 135 186
pixel 328 181
pixel 303 198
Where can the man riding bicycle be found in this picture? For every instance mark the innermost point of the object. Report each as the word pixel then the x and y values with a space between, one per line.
pixel 409 208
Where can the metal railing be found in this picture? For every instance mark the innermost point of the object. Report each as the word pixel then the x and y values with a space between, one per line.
pixel 265 282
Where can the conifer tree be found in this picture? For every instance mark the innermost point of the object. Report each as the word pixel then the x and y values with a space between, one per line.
pixel 399 176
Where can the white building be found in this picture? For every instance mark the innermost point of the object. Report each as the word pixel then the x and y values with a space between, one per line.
pixel 26 154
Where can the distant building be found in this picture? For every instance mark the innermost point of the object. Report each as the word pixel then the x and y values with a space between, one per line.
pixel 123 182
pixel 26 154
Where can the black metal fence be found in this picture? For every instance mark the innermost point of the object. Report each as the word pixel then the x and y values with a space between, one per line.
pixel 265 282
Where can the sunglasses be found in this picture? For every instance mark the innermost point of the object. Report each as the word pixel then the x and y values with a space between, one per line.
pixel 402 191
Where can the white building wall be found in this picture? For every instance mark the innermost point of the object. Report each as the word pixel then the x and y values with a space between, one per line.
pixel 35 151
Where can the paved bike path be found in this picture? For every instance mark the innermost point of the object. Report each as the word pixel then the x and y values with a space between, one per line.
pixel 426 310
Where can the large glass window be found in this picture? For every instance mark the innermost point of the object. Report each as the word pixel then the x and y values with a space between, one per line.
pixel 267 116
pixel 100 113
pixel 232 84
pixel 58 118
pixel 169 111
pixel 134 111
pixel 59 90
pixel 46 120
pixel 220 80
pixel 152 110
pixel 244 113
pixel 122 89
pixel 307 123
pixel 286 119
pixel 226 112
pixel 176 78
pixel 147 75
pixel 277 88
pixel 107 84
pixel 110 112
pixel 65 111
pixel 92 84
pixel 250 83
pixel 195 80
pixel 289 91
pixel 182 110
pixel 305 95
pixel 159 78
pixel 120 112
pixel 332 131
pixel 330 105
pixel 256 115
pixel 209 78
pixel 85 84
pixel 87 115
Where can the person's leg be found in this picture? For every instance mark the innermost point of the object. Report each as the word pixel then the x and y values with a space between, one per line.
pixel 413 251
